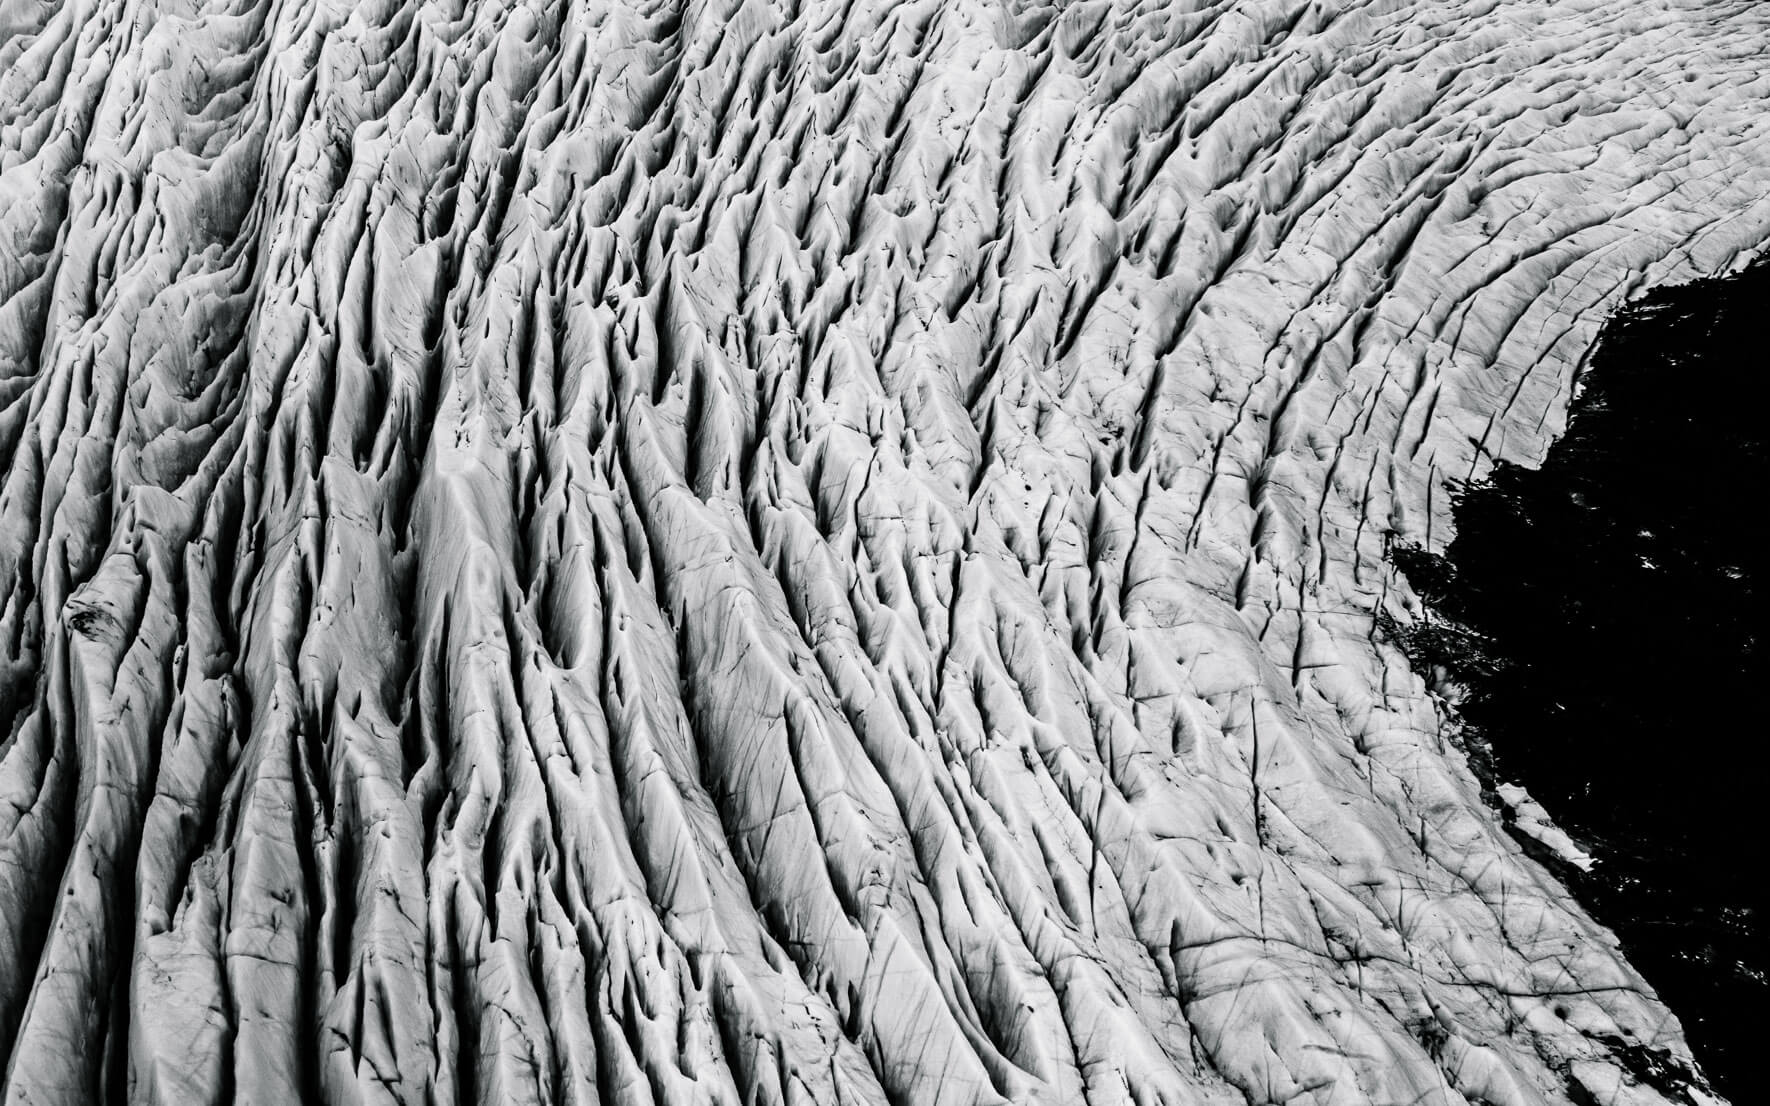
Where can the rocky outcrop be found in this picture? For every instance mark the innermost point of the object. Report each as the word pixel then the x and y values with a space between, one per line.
pixel 792 552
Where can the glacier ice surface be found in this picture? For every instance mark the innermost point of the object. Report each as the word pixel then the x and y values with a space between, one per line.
pixel 794 551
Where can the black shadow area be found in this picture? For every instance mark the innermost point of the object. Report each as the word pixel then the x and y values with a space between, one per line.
pixel 1605 615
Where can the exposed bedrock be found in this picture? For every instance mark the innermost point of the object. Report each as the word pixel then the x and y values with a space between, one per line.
pixel 822 552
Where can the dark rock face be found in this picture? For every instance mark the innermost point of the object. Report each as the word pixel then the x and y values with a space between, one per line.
pixel 558 551
pixel 1618 602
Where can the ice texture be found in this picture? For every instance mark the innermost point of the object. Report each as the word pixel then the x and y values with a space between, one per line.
pixel 801 551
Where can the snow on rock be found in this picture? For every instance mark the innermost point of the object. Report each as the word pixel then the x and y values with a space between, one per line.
pixel 799 551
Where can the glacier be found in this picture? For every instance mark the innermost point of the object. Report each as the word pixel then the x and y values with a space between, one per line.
pixel 802 551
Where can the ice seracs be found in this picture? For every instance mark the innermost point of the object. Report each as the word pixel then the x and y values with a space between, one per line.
pixel 1534 822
